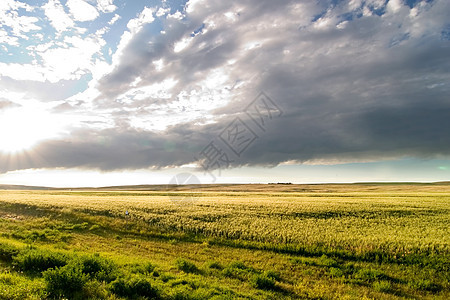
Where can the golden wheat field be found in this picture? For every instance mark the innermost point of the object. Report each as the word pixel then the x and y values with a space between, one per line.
pixel 373 241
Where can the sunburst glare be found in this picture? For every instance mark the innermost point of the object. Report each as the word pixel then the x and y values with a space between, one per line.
pixel 22 128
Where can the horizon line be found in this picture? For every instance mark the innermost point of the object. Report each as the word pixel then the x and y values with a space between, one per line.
pixel 6 187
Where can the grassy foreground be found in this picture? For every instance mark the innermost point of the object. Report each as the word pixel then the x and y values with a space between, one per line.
pixel 373 241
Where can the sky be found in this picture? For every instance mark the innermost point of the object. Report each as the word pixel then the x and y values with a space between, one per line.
pixel 114 92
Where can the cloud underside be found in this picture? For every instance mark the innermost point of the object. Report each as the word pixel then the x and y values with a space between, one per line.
pixel 344 135
pixel 356 82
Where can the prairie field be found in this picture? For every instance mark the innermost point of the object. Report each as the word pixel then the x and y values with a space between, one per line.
pixel 354 241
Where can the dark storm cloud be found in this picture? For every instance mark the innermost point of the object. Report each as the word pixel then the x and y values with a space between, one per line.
pixel 106 150
pixel 354 85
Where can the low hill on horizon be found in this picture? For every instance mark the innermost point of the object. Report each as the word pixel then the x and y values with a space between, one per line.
pixel 256 187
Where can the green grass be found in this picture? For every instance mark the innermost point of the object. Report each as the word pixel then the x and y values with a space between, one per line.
pixel 233 242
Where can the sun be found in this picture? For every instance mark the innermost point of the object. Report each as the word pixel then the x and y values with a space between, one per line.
pixel 22 128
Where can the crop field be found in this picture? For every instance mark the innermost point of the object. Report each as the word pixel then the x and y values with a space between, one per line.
pixel 355 241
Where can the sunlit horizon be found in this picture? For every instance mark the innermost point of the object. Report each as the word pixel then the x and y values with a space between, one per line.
pixel 115 92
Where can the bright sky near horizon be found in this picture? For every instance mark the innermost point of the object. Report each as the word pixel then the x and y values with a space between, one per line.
pixel 110 92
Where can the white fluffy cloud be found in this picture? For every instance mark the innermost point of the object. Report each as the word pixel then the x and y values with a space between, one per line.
pixel 5 38
pixel 145 17
pixel 106 6
pixel 22 71
pixel 55 65
pixel 80 51
pixel 114 19
pixel 20 25
pixel 82 11
pixel 68 55
pixel 59 19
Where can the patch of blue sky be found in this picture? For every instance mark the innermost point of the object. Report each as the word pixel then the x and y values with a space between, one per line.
pixel 176 5
pixel 131 9
pixel 399 170
pixel 77 86
pixel 445 33
pixel 34 2
pixel 104 54
pixel 350 16
pixel 92 26
pixel 398 39
pixel 16 54
pixel 379 11
pixel 47 30
pixel 327 5
pixel 412 3
pixel 318 16
pixel 198 30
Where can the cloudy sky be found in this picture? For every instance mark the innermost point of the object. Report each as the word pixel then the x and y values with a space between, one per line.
pixel 107 92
